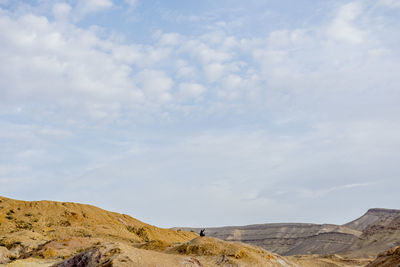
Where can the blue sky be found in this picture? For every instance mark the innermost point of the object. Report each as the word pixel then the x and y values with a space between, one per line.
pixel 202 113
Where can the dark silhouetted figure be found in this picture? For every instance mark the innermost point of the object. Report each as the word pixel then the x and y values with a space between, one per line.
pixel 202 232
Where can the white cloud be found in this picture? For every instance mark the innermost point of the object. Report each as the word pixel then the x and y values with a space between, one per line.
pixel 214 71
pixel 259 115
pixel 92 6
pixel 139 55
pixel 287 65
pixel 129 54
pixel 155 84
pixel 61 11
pixel 171 39
pixel 54 132
pixel 205 53
pixel 390 3
pixel 343 26
pixel 185 70
pixel 232 87
pixel 131 3
pixel 68 66
pixel 191 90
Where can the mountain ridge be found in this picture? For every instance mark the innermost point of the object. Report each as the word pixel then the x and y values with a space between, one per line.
pixel 372 216
pixel 307 238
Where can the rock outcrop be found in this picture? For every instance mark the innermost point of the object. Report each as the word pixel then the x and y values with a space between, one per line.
pixel 390 258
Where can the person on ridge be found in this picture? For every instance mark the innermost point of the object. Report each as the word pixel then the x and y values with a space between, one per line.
pixel 202 232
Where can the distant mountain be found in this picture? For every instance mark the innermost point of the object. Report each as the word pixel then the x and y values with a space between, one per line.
pixel 375 231
pixel 371 217
pixel 382 233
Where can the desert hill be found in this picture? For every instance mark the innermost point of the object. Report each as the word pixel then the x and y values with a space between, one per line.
pixel 377 230
pixel 48 233
pixel 58 219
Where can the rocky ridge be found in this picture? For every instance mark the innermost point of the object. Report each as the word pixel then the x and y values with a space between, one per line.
pixel 375 231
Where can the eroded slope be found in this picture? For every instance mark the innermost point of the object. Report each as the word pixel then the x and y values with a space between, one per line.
pixel 47 233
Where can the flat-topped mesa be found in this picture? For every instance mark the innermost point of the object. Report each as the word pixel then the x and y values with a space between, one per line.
pixel 373 216
pixel 305 238
pixel 277 231
pixel 382 211
pixel 289 238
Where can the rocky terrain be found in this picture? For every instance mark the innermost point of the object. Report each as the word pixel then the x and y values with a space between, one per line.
pixel 47 233
pixel 290 238
pixel 389 258
pixel 375 231
pixel 63 234
pixel 372 217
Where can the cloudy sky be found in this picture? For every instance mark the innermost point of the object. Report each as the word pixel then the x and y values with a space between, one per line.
pixel 202 113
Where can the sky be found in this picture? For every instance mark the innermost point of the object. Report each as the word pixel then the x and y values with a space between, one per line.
pixel 203 113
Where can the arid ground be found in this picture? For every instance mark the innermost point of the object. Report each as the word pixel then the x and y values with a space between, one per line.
pixel 48 233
